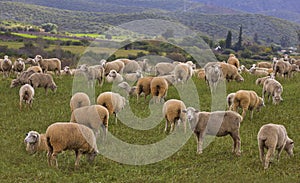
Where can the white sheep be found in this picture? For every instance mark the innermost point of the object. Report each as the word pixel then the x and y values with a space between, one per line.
pixel 94 117
pixel 70 136
pixel 51 64
pixel 130 91
pixel 213 74
pixel 67 71
pixel 114 102
pixel 258 72
pixel 183 72
pixel 19 66
pixel 272 88
pixel 273 137
pixel 6 66
pixel 230 98
pixel 26 94
pixel 131 67
pixel 114 77
pixel 172 112
pixel 132 77
pixel 95 72
pixel 159 88
pixel 144 65
pixel 164 68
pixel 42 80
pixel 218 123
pixel 35 142
pixel 170 79
pixel 78 100
pixel 31 62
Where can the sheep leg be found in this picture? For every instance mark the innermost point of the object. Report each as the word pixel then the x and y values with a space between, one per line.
pixel 49 155
pixel 236 143
pixel 54 158
pixel 116 119
pixel 251 115
pixel 279 152
pixel 166 125
pixel 244 113
pixel 78 155
pixel 172 127
pixel 261 151
pixel 199 142
pixel 269 154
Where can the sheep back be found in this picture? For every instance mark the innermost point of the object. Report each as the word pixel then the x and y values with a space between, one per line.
pixel 159 88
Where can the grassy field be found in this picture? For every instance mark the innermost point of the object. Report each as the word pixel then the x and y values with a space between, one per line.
pixel 216 164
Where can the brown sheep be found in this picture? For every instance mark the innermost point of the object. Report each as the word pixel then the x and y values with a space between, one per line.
pixel 247 99
pixel 230 72
pixel 116 65
pixel 264 65
pixel 36 69
pixel 159 87
pixel 232 60
pixel 78 100
pixel 143 86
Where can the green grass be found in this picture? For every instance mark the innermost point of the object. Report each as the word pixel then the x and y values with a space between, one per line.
pixel 216 164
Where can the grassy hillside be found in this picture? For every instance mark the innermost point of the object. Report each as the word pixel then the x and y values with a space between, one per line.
pixel 216 164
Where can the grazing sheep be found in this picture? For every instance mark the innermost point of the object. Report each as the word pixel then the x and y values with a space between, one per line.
pixel 6 66
pixel 93 117
pixel 78 100
pixel 219 123
pixel 22 79
pixel 272 88
pixel 31 62
pixel 113 76
pixel 230 98
pixel 232 60
pixel 159 87
pixel 244 69
pixel 183 72
pixel 213 74
pixel 26 94
pixel 264 65
pixel 164 68
pixel 51 64
pixel 258 72
pixel 70 136
pixel 230 72
pixel 42 80
pixel 273 137
pixel 285 68
pixel 19 66
pixel 131 91
pixel 132 77
pixel 170 79
pixel 131 67
pixel 35 142
pixel 67 71
pixel 172 112
pixel 144 65
pixel 36 69
pixel 114 102
pixel 116 65
pixel 247 99
pixel 143 86
pixel 260 81
pixel 95 72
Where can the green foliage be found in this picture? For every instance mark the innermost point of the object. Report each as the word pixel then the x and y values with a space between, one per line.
pixel 228 41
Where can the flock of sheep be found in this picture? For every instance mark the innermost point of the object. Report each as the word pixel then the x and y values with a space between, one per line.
pixel 84 128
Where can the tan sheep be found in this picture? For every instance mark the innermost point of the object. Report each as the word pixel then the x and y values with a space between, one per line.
pixel 35 142
pixel 22 79
pixel 113 102
pixel 133 77
pixel 218 123
pixel 51 64
pixel 172 112
pixel 116 65
pixel 230 98
pixel 130 91
pixel 273 137
pixel 26 94
pixel 78 100
pixel 170 79
pixel 19 66
pixel 260 81
pixel 272 88
pixel 265 65
pixel 131 67
pixel 183 72
pixel 200 73
pixel 230 72
pixel 94 117
pixel 164 68
pixel 232 60
pixel 42 80
pixel 247 99
pixel 159 88
pixel 70 136
pixel 285 68
pixel 36 69
pixel 143 86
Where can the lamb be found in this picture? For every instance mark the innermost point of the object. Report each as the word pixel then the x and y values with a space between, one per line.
pixel 219 123
pixel 36 69
pixel 247 99
pixel 232 60
pixel 159 88
pixel 51 64
pixel 172 112
pixel 131 91
pixel 117 65
pixel 70 136
pixel 273 137
pixel 114 102
pixel 230 98
pixel 143 86
pixel 164 68
pixel 42 80
pixel 78 100
pixel 213 74
pixel 132 77
pixel 264 65
pixel 19 66
pixel 230 72
pixel 6 66
pixel 26 94
pixel 274 88
pixel 22 79
pixel 35 142
pixel 113 76
pixel 93 117
pixel 183 72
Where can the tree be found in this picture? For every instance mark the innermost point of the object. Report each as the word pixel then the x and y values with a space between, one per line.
pixel 50 27
pixel 238 45
pixel 228 40
pixel 255 38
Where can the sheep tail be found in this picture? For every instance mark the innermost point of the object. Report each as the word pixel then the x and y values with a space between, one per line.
pixel 157 90
pixel 79 104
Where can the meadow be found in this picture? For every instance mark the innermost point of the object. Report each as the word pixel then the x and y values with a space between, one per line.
pixel 216 164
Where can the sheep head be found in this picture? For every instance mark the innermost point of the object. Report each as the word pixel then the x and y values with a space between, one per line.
pixel 31 140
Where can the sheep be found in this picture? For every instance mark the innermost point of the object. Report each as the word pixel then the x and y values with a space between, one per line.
pixel 78 100
pixel 244 69
pixel 131 67
pixel 247 99
pixel 113 76
pixel 170 79
pixel 31 62
pixel 19 66
pixel 6 66
pixel 92 73
pixel 42 80
pixel 131 91
pixel 232 60
pixel 172 112
pixel 132 77
pixel 273 137
pixel 183 72
pixel 258 72
pixel 35 142
pixel 67 71
pixel 144 65
pixel 285 68
pixel 26 94
pixel 164 68
pixel 274 88
pixel 117 65
pixel 70 136
pixel 230 72
pixel 159 88
pixel 93 117
pixel 230 98
pixel 213 74
pixel 114 102
pixel 22 79
pixel 200 73
pixel 219 123
pixel 260 81
pixel 264 65
pixel 36 69
pixel 143 85
pixel 51 64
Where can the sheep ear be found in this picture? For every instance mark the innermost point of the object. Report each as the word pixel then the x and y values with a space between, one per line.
pixel 184 111
pixel 292 142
